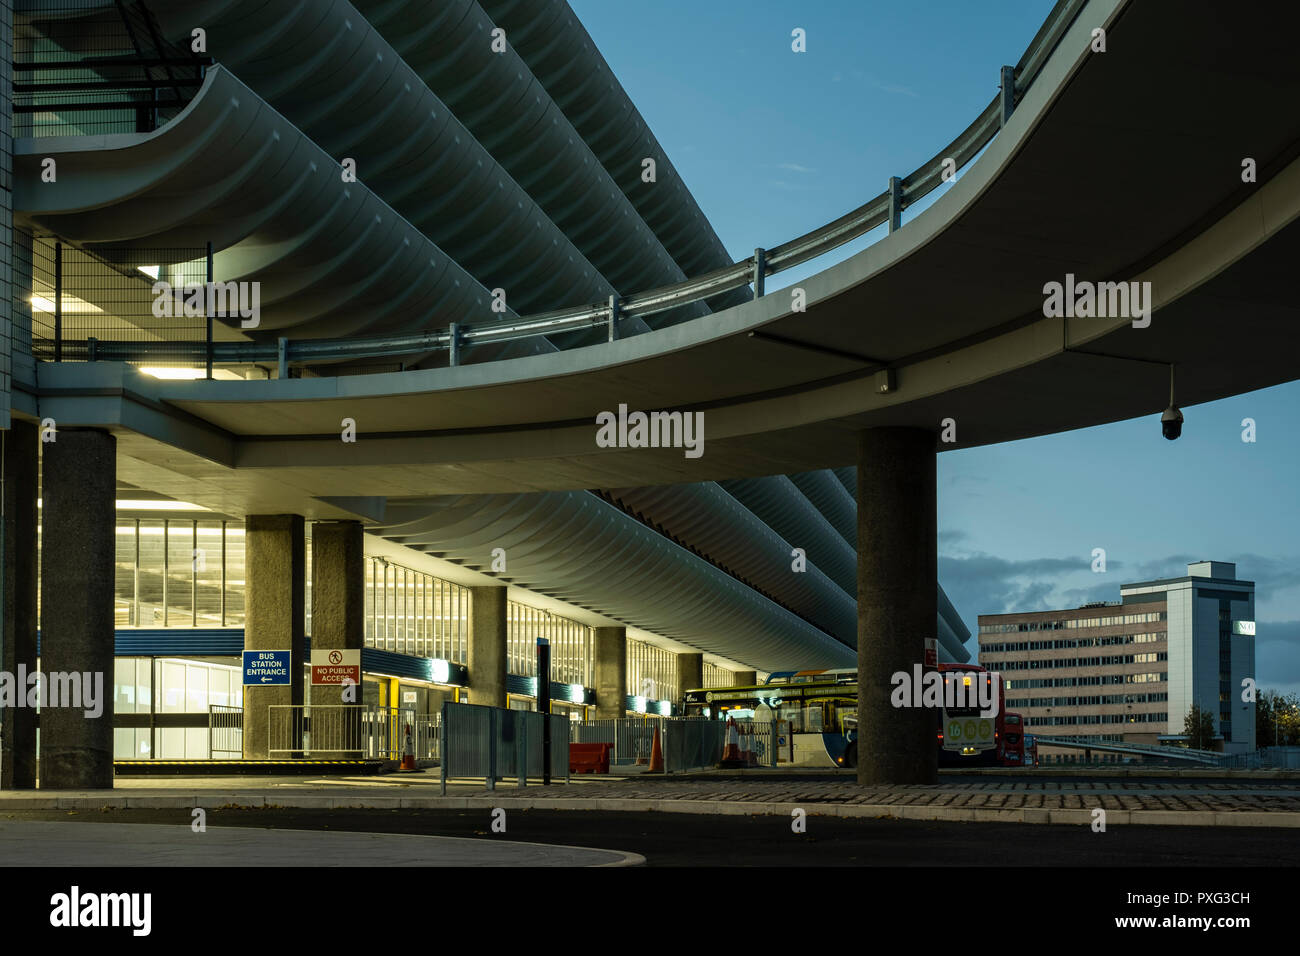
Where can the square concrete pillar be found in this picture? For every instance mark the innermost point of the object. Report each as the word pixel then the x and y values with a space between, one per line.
pixel 487 645
pixel 18 588
pixel 78 552
pixel 338 595
pixel 274 605
pixel 690 674
pixel 898 568
pixel 611 671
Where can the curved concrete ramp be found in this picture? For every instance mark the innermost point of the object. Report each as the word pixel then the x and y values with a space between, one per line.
pixel 131 844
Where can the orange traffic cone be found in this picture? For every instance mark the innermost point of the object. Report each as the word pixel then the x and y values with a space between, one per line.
pixel 747 748
pixel 731 752
pixel 408 754
pixel 656 755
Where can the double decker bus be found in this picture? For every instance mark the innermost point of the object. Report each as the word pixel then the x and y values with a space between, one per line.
pixel 819 712
pixel 1011 752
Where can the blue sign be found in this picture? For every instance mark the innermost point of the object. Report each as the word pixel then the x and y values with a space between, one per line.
pixel 266 668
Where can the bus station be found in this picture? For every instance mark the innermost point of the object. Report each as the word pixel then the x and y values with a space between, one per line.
pixel 399 469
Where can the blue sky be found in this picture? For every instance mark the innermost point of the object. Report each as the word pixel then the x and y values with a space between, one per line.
pixel 774 143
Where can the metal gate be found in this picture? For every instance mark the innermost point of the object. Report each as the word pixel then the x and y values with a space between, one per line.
pixel 225 731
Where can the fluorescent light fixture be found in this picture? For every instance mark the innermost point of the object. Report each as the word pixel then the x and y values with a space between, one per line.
pixel 71 304
pixel 153 504
pixel 441 672
pixel 158 371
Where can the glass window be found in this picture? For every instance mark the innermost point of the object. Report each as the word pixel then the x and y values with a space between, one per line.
pixel 234 543
pixel 196 688
pixel 124 688
pixel 124 576
pixel 180 573
pixel 149 612
pixel 207 573
pixel 172 696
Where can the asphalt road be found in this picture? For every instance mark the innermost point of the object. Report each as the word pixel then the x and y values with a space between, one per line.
pixel 678 839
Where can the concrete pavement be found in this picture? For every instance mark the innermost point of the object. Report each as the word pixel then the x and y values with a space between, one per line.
pixel 136 844
pixel 1178 801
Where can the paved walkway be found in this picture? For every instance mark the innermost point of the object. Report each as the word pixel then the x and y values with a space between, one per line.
pixel 139 844
pixel 1240 801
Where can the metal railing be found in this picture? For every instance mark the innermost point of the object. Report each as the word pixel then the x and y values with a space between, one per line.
pixel 758 742
pixel 687 743
pixel 225 731
pixel 632 737
pixel 349 730
pixel 884 208
pixel 88 69
pixel 1267 758
pixel 495 743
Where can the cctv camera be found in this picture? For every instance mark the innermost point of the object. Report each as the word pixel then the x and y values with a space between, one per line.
pixel 1171 422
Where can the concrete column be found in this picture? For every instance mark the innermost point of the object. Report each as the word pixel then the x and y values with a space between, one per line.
pixel 338 595
pixel 745 678
pixel 79 480
pixel 274 602
pixel 18 640
pixel 487 645
pixel 611 671
pixel 897 601
pixel 690 674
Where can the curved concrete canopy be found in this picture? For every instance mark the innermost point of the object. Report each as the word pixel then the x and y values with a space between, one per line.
pixel 779 503
pixel 1041 202
pixel 578 548
pixel 496 96
pixel 740 539
pixel 710 520
pixel 323 66
pixel 331 257
pixel 830 497
pixel 317 63
pixel 249 34
pixel 560 53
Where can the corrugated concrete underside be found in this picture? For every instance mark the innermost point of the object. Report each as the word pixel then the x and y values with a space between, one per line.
pixel 575 547
pixel 562 55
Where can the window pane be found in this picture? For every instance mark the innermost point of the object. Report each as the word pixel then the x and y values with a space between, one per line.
pixel 124 576
pixel 208 573
pixel 151 574
pixel 234 574
pixel 180 574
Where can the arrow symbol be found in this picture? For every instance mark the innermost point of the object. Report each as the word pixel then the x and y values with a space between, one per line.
pixel 265 679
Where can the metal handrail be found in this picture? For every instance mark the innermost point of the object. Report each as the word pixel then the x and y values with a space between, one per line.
pixel 754 269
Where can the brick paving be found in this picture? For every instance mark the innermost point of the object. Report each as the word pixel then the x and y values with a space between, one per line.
pixel 1229 796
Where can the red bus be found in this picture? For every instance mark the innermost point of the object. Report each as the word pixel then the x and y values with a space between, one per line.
pixel 1012 739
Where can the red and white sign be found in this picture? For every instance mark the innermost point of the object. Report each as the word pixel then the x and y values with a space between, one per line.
pixel 335 667
pixel 931 652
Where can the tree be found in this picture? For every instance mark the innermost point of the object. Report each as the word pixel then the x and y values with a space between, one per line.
pixel 1277 719
pixel 1198 727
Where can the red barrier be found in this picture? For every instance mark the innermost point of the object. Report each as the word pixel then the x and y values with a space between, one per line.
pixel 589 758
